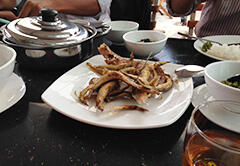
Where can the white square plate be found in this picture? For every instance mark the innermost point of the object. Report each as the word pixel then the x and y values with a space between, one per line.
pixel 162 112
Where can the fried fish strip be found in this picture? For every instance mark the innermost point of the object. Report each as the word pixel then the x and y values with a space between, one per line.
pixel 118 91
pixel 103 93
pixel 155 78
pixel 158 74
pixel 114 59
pixel 128 107
pixel 142 78
pixel 83 93
pixel 112 67
pixel 93 80
pixel 140 96
pixel 120 95
pixel 103 68
pixel 128 69
pixel 147 72
pixel 97 70
pixel 110 75
pixel 82 97
pixel 110 56
pixel 165 86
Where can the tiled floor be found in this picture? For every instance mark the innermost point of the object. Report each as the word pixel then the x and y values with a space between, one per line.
pixel 170 26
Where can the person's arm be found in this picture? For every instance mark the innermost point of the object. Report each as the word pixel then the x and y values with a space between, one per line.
pixel 6 7
pixel 32 7
pixel 75 7
pixel 8 15
pixel 182 7
pixel 7 4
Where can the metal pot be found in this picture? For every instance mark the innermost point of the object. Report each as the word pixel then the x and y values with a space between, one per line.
pixel 46 42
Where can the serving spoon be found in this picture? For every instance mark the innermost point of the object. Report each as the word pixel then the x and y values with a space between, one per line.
pixel 197 71
pixel 189 71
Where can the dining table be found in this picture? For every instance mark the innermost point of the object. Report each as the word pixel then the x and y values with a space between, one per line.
pixel 34 134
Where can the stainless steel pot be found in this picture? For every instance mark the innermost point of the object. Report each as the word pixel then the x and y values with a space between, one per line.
pixel 46 42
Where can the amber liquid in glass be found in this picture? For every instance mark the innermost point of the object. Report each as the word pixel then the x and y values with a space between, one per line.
pixel 200 152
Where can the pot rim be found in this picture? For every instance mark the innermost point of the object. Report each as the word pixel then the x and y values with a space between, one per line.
pixel 9 40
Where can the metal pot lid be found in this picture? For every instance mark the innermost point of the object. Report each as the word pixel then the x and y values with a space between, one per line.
pixel 47 31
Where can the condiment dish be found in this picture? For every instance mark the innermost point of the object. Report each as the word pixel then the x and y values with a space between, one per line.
pixel 119 28
pixel 144 43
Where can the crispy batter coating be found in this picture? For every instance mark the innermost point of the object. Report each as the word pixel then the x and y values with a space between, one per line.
pixel 128 107
pixel 141 79
pixel 103 93
pixel 110 56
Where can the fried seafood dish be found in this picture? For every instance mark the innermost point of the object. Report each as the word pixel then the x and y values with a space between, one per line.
pixel 125 78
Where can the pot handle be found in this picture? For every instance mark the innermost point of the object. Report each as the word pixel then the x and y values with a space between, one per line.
pixel 9 43
pixel 4 39
pixel 3 23
pixel 102 29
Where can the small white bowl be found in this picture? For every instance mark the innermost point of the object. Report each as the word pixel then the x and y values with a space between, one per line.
pixel 119 28
pixel 144 49
pixel 216 72
pixel 7 63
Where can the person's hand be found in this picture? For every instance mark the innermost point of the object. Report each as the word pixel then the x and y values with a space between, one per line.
pixel 7 4
pixel 8 15
pixel 32 7
pixel 75 7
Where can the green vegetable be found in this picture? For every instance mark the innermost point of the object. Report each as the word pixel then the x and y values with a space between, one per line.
pixel 206 46
pixel 232 84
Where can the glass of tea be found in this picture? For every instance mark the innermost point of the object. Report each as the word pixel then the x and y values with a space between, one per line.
pixel 213 135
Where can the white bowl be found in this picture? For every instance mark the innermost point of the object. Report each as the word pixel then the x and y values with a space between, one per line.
pixel 119 28
pixel 216 72
pixel 7 63
pixel 144 49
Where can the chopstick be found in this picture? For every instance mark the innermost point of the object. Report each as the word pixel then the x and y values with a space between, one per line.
pixel 198 38
pixel 201 39
pixel 233 44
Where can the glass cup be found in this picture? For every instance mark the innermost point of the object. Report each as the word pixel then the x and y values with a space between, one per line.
pixel 211 139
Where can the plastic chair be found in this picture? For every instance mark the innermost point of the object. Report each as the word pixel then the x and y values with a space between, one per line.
pixel 157 7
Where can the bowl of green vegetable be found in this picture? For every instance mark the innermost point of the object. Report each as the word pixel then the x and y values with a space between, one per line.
pixel 223 80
